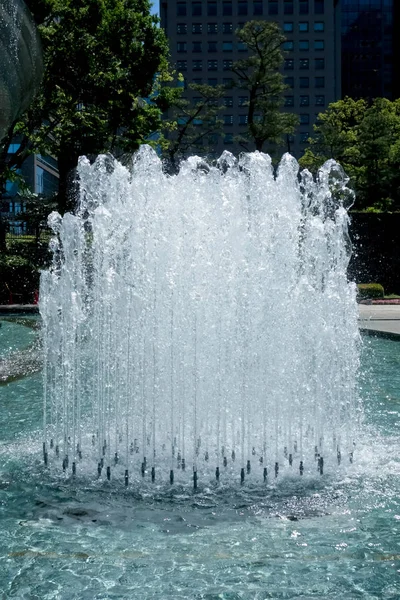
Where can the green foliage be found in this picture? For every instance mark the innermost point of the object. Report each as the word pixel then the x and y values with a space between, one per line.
pixel 102 59
pixel 370 290
pixel 259 75
pixel 366 141
pixel 18 278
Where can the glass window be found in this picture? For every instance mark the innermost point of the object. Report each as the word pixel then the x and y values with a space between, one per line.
pixel 288 7
pixel 212 81
pixel 319 100
pixel 197 65
pixel 228 119
pixel 320 82
pixel 319 26
pixel 257 7
pixel 288 45
pixel 288 65
pixel 319 45
pixel 227 65
pixel 304 137
pixel 242 119
pixel 212 46
pixel 197 100
pixel 181 65
pixel 228 101
pixel 181 47
pixel 273 7
pixel 211 9
pixel 304 100
pixel 212 28
pixel 197 80
pixel 227 7
pixel 289 100
pixel 319 7
pixel 319 63
pixel 242 7
pixel 212 65
pixel 242 47
pixel 181 28
pixel 289 81
pixel 227 46
pixel 242 100
pixel 196 9
pixel 196 46
pixel 181 9
pixel 228 82
pixel 197 28
pixel 303 26
pixel 303 7
pixel 227 27
pixel 288 27
pixel 304 45
pixel 304 82
pixel 304 119
pixel 304 63
pixel 228 139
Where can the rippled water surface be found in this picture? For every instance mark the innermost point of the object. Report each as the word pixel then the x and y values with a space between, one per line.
pixel 336 536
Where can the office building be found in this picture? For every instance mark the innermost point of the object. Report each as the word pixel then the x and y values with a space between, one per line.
pixel 203 46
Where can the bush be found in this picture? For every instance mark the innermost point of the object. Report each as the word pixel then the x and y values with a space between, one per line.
pixel 19 279
pixel 370 290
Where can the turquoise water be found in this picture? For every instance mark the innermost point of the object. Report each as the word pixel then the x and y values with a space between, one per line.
pixel 335 537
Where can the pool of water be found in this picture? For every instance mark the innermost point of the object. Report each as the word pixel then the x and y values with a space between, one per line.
pixel 335 537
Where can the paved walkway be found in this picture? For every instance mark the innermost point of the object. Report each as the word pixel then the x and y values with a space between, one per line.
pixel 382 319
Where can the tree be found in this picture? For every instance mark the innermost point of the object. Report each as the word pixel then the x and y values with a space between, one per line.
pixel 192 123
pixel 365 140
pixel 259 75
pixel 105 61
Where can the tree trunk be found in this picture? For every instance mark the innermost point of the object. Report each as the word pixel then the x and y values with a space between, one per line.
pixel 68 186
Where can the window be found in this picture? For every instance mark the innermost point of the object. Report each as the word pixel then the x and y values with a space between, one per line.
pixel 320 82
pixel 197 100
pixel 228 101
pixel 196 9
pixel 273 7
pixel 196 46
pixel 181 9
pixel 304 63
pixel 304 137
pixel 288 45
pixel 303 7
pixel 181 28
pixel 303 26
pixel 228 139
pixel 227 28
pixel 289 100
pixel 212 46
pixel 227 46
pixel 242 7
pixel 319 45
pixel 289 81
pixel 304 119
pixel 228 119
pixel 181 47
pixel 211 9
pixel 212 28
pixel 212 81
pixel 242 100
pixel 288 7
pixel 181 65
pixel 227 8
pixel 319 100
pixel 288 27
pixel 304 45
pixel 319 7
pixel 288 65
pixel 304 100
pixel 197 28
pixel 319 26
pixel 197 80
pixel 212 65
pixel 227 65
pixel 257 7
pixel 242 119
pixel 197 65
pixel 242 47
pixel 304 82
pixel 228 82
pixel 319 63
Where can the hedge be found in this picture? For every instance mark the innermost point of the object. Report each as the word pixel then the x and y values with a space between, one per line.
pixel 370 290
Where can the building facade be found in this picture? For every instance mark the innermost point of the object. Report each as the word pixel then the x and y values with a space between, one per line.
pixel 370 48
pixel 204 46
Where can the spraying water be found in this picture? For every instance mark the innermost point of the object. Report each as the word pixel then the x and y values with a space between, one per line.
pixel 201 326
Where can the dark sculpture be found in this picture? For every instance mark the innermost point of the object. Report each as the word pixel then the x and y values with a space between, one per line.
pixel 21 61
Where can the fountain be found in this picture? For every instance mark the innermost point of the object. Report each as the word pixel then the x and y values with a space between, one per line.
pixel 200 327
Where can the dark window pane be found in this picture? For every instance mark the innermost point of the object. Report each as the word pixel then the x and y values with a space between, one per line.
pixel 197 28
pixel 288 27
pixel 212 28
pixel 228 82
pixel 181 65
pixel 228 139
pixel 242 47
pixel 304 100
pixel 228 101
pixel 319 7
pixel 227 65
pixel 304 82
pixel 319 45
pixel 288 65
pixel 228 119
pixel 303 26
pixel 257 7
pixel 320 82
pixel 320 63
pixel 197 65
pixel 304 45
pixel 288 7
pixel 196 47
pixel 319 100
pixel 288 45
pixel 212 65
pixel 242 119
pixel 196 9
pixel 289 81
pixel 212 81
pixel 304 119
pixel 242 7
pixel 181 47
pixel 181 9
pixel 181 28
pixel 303 7
pixel 289 100
pixel 211 9
pixel 304 63
pixel 319 26
pixel 226 8
pixel 242 100
pixel 227 27
pixel 273 7
pixel 212 46
pixel 304 137
pixel 227 46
